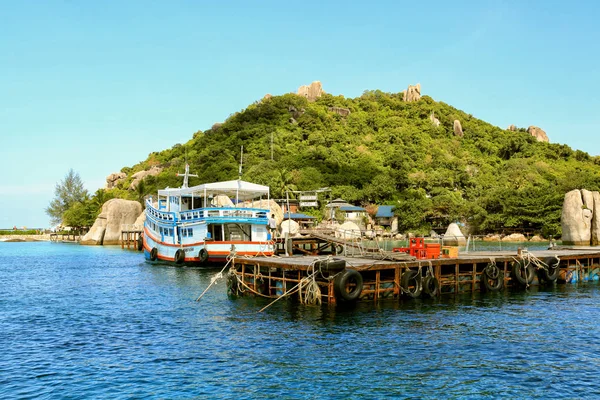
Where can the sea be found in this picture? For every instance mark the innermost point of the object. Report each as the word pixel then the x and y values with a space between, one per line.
pixel 85 322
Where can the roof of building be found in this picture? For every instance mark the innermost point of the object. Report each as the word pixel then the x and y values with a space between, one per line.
pixel 385 212
pixel 352 208
pixel 298 216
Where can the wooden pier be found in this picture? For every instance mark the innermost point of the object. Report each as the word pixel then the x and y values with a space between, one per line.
pixel 66 237
pixel 335 278
pixel 131 237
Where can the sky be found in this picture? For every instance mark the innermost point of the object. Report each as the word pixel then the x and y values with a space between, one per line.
pixel 97 86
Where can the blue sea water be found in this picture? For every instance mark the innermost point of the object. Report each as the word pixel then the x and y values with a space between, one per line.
pixel 91 322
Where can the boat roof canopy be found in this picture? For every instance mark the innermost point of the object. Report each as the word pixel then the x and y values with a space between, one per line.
pixel 236 188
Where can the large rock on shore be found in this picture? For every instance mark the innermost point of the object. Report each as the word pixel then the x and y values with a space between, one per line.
pixel 577 216
pixel 107 227
pixel 514 237
pixel 453 236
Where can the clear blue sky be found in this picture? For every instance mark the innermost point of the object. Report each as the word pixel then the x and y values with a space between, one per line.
pixel 98 85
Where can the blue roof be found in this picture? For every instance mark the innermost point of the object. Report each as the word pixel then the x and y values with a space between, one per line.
pixel 385 212
pixel 298 216
pixel 352 208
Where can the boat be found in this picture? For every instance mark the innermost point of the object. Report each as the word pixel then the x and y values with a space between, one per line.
pixel 207 223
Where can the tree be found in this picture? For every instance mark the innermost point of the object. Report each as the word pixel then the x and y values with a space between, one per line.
pixel 66 193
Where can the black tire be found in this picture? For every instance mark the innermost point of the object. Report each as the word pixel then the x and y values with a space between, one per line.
pixel 550 274
pixel 179 256
pixel 523 275
pixel 140 243
pixel 338 249
pixel 341 282
pixel 431 286
pixel 492 278
pixel 412 278
pixel 203 255
pixel 153 254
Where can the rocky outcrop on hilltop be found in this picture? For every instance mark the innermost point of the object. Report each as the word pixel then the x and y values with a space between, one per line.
pixel 538 133
pixel 579 220
pixel 312 91
pixel 139 176
pixel 113 179
pixel 413 93
pixel 458 131
pixel 512 128
pixel 107 227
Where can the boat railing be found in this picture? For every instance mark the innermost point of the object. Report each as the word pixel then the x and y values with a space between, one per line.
pixel 160 215
pixel 223 212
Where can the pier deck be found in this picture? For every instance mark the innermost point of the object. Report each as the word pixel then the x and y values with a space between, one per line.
pixel 387 278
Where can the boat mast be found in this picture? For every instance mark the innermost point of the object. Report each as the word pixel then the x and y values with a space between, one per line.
pixel 186 175
pixel 237 192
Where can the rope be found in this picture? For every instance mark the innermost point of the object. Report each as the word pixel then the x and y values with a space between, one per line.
pixel 217 276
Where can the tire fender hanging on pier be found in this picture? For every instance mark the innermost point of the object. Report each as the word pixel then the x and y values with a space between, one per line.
pixel 523 273
pixel 412 283
pixel 431 286
pixel 550 274
pixel 342 285
pixel 492 277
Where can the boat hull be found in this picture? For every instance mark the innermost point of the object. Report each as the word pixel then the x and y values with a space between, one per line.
pixel 218 251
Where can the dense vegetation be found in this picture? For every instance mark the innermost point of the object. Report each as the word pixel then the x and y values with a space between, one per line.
pixel 386 151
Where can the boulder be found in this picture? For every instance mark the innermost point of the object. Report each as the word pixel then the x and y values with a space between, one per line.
pixel 270 205
pixel 458 131
pixel 107 227
pixel 139 222
pixel 453 236
pixel 576 217
pixel 139 176
pixel 267 96
pixel 344 112
pixel 312 91
pixel 512 128
pixel 221 200
pixel 492 238
pixel 538 133
pixel 434 120
pixel 290 227
pixel 347 230
pixel 537 238
pixel 113 179
pixel 514 237
pixel 595 234
pixel 413 93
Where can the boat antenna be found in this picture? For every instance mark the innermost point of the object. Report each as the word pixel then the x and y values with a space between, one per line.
pixel 241 163
pixel 186 175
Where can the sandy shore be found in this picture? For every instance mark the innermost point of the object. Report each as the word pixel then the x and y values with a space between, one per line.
pixel 25 238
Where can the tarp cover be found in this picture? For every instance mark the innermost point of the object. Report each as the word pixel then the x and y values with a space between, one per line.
pixel 245 190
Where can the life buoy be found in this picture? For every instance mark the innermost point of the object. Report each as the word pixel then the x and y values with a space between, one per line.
pixel 203 255
pixel 179 256
pixel 348 285
pixel 550 274
pixel 492 277
pixel 431 286
pixel 523 274
pixel 140 243
pixel 153 254
pixel 412 284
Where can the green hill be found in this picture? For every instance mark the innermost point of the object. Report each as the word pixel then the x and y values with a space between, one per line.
pixel 386 151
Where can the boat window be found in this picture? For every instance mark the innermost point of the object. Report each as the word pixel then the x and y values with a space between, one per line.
pixel 190 232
